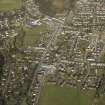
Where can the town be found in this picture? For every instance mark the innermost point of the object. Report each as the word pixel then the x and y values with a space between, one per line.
pixel 52 43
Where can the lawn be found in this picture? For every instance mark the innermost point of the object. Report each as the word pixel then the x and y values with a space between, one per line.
pixel 9 4
pixel 56 95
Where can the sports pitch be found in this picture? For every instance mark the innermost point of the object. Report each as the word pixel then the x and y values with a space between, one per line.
pixel 56 95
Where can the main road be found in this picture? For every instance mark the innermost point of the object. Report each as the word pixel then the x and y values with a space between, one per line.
pixel 57 29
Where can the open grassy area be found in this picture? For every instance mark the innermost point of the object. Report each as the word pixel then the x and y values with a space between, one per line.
pixel 9 4
pixel 33 34
pixel 56 95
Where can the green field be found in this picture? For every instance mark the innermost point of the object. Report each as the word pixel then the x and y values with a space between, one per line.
pixel 9 4
pixel 33 34
pixel 56 95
